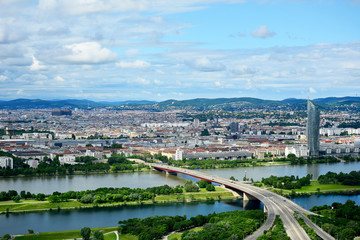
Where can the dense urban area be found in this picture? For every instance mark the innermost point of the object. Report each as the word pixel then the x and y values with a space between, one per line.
pixel 86 140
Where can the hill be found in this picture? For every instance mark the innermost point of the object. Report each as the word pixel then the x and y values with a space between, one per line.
pixel 226 104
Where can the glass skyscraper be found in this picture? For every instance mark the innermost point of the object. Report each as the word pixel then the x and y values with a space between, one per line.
pixel 312 129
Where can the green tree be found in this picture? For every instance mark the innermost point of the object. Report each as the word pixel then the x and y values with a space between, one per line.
pixel 98 235
pixel 190 186
pixel 85 233
pixel 202 183
pixel 6 237
pixel 205 132
pixel 348 234
pixel 210 187
pixel 291 156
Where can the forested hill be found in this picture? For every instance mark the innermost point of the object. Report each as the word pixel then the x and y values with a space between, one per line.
pixel 226 104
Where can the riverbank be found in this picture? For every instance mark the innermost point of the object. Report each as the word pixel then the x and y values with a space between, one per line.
pixel 81 173
pixel 220 193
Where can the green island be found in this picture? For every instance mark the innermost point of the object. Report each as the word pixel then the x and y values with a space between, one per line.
pixel 11 201
pixel 329 183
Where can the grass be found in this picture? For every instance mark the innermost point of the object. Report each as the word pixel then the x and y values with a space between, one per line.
pixel 33 205
pixel 65 234
pixel 202 195
pixel 177 235
pixel 110 236
pixel 315 185
pixel 326 187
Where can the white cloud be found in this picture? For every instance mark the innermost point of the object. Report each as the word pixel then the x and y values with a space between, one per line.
pixel 10 35
pixel 88 53
pixel 312 90
pixel 243 70
pixel 36 65
pixel 262 32
pixel 158 82
pixel 82 7
pixel 3 78
pixel 218 84
pixel 132 52
pixel 59 79
pixel 141 81
pixel 204 64
pixel 135 64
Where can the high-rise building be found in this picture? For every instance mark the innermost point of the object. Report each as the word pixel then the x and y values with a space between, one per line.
pixel 312 129
pixel 234 127
pixel 196 123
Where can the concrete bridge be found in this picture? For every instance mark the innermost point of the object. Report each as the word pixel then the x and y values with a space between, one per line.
pixel 274 204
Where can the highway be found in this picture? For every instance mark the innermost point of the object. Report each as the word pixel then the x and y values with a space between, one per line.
pixel 274 203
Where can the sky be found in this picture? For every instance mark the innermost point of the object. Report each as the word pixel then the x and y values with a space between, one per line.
pixel 158 49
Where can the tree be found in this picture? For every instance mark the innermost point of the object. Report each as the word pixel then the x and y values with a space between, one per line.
pixel 190 186
pixel 202 183
pixel 348 233
pixel 85 233
pixel 6 237
pixel 98 235
pixel 232 178
pixel 210 187
pixel 205 132
pixel 291 156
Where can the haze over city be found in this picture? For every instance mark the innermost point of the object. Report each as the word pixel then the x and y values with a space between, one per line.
pixel 158 50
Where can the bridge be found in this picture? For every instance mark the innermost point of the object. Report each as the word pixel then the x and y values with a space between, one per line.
pixel 274 204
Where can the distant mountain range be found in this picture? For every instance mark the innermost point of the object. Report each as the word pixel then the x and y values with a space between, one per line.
pixel 69 103
pixel 228 104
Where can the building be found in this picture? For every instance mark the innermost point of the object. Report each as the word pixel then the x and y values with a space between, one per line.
pixel 312 129
pixel 178 154
pixel 234 127
pixel 6 162
pixel 60 112
pixel 196 123
pixel 298 150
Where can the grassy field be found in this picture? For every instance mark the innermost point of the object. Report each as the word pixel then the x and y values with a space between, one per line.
pixel 69 235
pixel 202 195
pixel 33 205
pixel 316 187
pixel 326 187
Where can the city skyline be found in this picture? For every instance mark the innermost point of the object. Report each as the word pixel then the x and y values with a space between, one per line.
pixel 155 50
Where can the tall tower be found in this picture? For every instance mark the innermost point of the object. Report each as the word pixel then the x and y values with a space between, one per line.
pixel 312 129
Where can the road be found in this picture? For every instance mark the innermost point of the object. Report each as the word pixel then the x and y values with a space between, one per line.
pixel 274 203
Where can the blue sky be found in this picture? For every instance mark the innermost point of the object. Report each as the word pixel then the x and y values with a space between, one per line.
pixel 158 50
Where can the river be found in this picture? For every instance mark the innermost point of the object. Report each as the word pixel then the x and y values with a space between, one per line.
pixel 49 185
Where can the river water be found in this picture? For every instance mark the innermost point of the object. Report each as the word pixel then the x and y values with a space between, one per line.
pixel 19 223
pixel 101 217
pixel 49 185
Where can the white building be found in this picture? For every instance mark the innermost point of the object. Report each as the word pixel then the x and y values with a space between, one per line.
pixel 6 162
pixel 32 163
pixel 178 154
pixel 68 159
pixel 196 123
pixel 298 150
